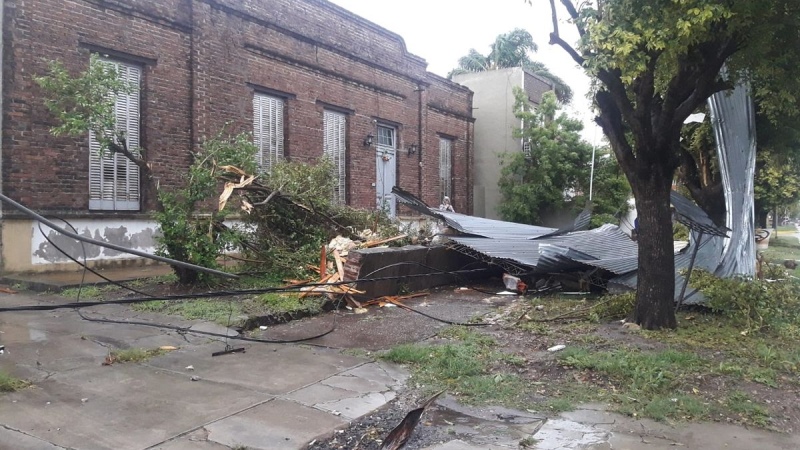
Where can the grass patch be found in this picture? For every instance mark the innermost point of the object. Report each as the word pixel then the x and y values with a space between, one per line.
pixel 646 384
pixel 747 409
pixel 212 310
pixel 462 367
pixel 135 355
pixel 87 292
pixel 11 384
pixel 290 303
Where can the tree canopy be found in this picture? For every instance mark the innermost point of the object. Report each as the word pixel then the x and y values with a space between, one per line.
pixel 656 62
pixel 512 49
pixel 554 175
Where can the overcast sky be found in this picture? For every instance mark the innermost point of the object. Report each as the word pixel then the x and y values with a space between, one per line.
pixel 441 31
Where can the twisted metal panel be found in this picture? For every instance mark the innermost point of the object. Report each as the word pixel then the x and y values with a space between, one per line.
pixel 733 120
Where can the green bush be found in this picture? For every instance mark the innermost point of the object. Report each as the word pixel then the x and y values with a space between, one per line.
pixel 753 305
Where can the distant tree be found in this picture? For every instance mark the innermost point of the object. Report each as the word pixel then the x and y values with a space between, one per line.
pixel 777 184
pixel 556 168
pixel 610 188
pixel 512 49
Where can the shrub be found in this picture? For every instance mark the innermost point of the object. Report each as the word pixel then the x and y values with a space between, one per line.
pixel 753 305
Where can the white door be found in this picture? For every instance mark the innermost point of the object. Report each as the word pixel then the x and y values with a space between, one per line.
pixel 385 169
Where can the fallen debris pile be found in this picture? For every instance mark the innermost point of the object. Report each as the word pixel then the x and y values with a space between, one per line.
pixel 598 259
pixel 290 213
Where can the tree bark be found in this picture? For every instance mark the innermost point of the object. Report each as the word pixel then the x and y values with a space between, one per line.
pixel 656 276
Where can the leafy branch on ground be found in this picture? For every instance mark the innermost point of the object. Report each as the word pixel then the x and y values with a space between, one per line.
pixel 191 231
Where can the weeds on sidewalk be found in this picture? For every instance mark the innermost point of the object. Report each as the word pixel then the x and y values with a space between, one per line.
pixel 11 384
pixel 134 355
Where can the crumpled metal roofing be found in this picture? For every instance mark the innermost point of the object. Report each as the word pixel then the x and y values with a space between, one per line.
pixel 578 250
pixel 725 251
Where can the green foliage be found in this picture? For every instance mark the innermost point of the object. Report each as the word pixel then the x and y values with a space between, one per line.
pixel 680 232
pixel 85 102
pixel 512 49
pixel 777 181
pixel 290 303
pixel 753 305
pixel 290 229
pixel 614 307
pixel 611 190
pixel 559 162
pixel 188 236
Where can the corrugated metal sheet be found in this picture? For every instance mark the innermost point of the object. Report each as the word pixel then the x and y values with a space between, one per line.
pixel 733 120
pixel 489 228
pixel 693 217
pixel 556 253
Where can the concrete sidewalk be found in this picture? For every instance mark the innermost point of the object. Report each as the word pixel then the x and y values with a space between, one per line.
pixel 271 397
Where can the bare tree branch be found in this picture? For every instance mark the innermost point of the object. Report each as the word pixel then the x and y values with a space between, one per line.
pixel 555 39
pixel 610 120
pixel 573 13
pixel 122 148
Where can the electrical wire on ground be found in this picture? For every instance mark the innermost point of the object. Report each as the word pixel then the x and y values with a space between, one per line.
pixel 149 297
pixel 145 297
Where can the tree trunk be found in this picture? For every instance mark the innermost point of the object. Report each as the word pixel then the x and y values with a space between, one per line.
pixel 655 295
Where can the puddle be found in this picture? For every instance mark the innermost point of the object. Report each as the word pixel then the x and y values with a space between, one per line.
pixel 591 428
pixel 37 335
pixel 485 427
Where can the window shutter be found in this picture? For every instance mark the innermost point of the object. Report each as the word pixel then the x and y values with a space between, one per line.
pixel 445 167
pixel 268 129
pixel 335 125
pixel 114 182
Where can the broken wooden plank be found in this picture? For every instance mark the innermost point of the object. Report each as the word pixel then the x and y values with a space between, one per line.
pixel 383 241
pixel 323 257
pixel 339 264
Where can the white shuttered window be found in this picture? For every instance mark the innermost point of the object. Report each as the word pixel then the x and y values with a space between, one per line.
pixel 335 125
pixel 268 129
pixel 445 167
pixel 113 178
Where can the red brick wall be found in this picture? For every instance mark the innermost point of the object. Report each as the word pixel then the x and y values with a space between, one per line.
pixel 206 58
pixel 50 173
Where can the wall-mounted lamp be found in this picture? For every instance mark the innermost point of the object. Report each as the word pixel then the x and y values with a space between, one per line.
pixel 368 140
pixel 412 149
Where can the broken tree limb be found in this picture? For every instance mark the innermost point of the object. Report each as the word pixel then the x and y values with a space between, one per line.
pixel 383 241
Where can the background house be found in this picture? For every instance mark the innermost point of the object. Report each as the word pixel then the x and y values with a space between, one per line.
pixel 493 109
pixel 305 76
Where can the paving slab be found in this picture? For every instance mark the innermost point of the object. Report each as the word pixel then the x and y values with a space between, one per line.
pixel 275 425
pixel 355 407
pixel 124 406
pixel 16 440
pixel 268 368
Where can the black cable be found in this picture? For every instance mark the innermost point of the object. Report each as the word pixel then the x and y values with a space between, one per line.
pixel 125 301
pixel 181 330
pixel 84 265
pixel 209 333
pixel 149 297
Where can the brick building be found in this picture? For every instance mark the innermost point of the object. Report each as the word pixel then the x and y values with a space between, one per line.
pixel 305 76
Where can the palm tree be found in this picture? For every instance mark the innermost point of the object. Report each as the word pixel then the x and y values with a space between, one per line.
pixel 512 49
